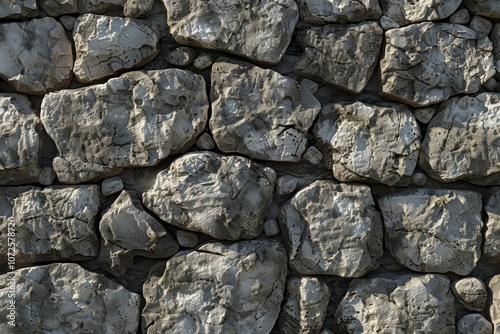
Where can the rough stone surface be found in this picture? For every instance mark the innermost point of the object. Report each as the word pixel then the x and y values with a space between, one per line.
pixel 419 179
pixel 399 304
pixel 187 239
pixel 260 113
pixel 491 247
pixel 137 8
pixel 68 22
pixel 56 223
pixel 406 12
pixel 495 39
pixel 471 293
pixel 386 23
pixel 237 287
pixel 319 12
pixel 490 85
pixel 486 8
pixel 313 155
pixel 181 56
pixel 111 186
pixel 494 303
pixel 17 9
pixel 65 298
pixel 474 323
pixel 225 197
pixel 142 118
pixel 106 45
pixel 462 141
pixel 460 17
pixel 310 85
pixel 426 63
pixel 203 61
pixel 369 143
pixel 480 25
pixel 286 184
pixel 424 115
pixel 344 56
pixel 205 142
pixel 36 56
pixel 47 176
pixel 258 30
pixel 271 228
pixel 61 7
pixel 332 229
pixel 433 230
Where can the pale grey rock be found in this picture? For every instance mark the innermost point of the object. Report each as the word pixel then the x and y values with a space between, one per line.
pixel 310 85
pixel 494 303
pixel 203 61
pixel 462 142
pixel 17 9
pixel 106 45
pixel 65 298
pixel 20 140
pixel 138 8
pixel 419 179
pixel 471 293
pixel 332 229
pixel 343 56
pixel 225 197
pixel 237 288
pixel 259 112
pixel 461 16
pixel 433 230
pixel 111 186
pixel 480 25
pixel 205 142
pixel 53 224
pixel 491 247
pixel 305 306
pixel 424 115
pixel 369 143
pixel 181 56
pixel 186 238
pixel 271 228
pixel 406 12
pixel 36 56
pixel 319 12
pixel 486 8
pixel 135 120
pixel 47 176
pixel 490 85
pixel 127 230
pixel 286 184
pixel 427 63
pixel 258 30
pixel 495 39
pixel 313 155
pixel 386 23
pixel 68 22
pixel 399 304
pixel 474 323
pixel 61 7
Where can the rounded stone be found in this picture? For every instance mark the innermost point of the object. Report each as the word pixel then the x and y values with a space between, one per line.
pixel 471 293
pixel 419 179
pixel 474 323
pixel 181 56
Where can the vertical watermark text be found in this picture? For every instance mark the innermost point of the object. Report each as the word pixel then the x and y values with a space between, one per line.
pixel 11 262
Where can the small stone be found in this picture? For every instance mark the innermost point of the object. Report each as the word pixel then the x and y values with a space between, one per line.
pixel 491 84
pixel 286 184
pixel 205 142
pixel 187 239
pixel 310 85
pixel 137 8
pixel 47 176
pixel 270 174
pixel 387 23
pixel 406 12
pixel 68 22
pixel 480 25
pixel 313 155
pixel 271 228
pixel 471 293
pixel 203 61
pixel 424 115
pixel 181 56
pixel 460 17
pixel 419 179
pixel 474 323
pixel 18 9
pixel 111 186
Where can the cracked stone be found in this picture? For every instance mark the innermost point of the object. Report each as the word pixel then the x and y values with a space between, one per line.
pixel 486 8
pixel 319 12
pixel 491 247
pixel 494 303
pixel 61 7
pixel 406 12
pixel 471 293
pixel 18 9
pixel 181 56
pixel 138 8
pixel 474 323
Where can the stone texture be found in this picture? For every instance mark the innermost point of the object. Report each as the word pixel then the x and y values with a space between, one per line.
pixel 127 230
pixel 426 63
pixel 433 230
pixel 187 239
pixel 286 184
pixel 17 9
pixel 343 56
pixel 20 140
pixel 369 143
pixel 419 179
pixel 258 30
pixel 111 186
pixel 36 56
pixel 52 224
pixel 61 7
pixel 259 112
pixel 310 85
pixel 399 304
pixel 460 17
pixel 205 142
pixel 424 115
pixel 225 197
pixel 471 293
pixel 486 8
pixel 495 39
pixel 68 22
pixel 490 85
pixel 65 298
pixel 494 303
pixel 218 288
pixel 106 45
pixel 474 323
pixel 319 12
pixel 135 120
pixel 203 61
pixel 137 8
pixel 181 56
pixel 406 12
pixel 313 155
pixel 491 246
pixel 332 229
pixel 462 141
pixel 271 228
pixel 47 176
pixel 386 23
pixel 480 25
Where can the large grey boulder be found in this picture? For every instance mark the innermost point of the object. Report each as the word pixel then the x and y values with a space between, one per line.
pixel 17 9
pixel 218 288
pixel 338 11
pixel 491 246
pixel 259 112
pixel 486 8
pixel 406 12
pixel 135 120
pixel 61 7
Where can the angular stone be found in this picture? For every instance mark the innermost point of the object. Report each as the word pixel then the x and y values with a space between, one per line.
pixel 471 293
pixel 17 9
pixel 68 22
pixel 61 7
pixel 313 155
pixel 491 246
pixel 127 230
pixel 271 228
pixel 53 224
pixel 486 8
pixel 369 143
pixel 135 120
pixel 343 56
pixel 111 186
pixel 105 45
pixel 187 239
pixel 424 115
pixel 474 323
pixel 203 61
pixel 460 17
pixel 305 306
pixel 398 304
pixel 20 141
pixel 319 12
pixel 225 197
pixel 258 30
pixel 181 56
pixel 286 184
pixel 480 25
pixel 494 303
pixel 433 230
pixel 65 298
pixel 495 39
pixel 462 141
pixel 47 176
pixel 310 85
pixel 427 63
pixel 36 56
pixel 237 287
pixel 386 23
pixel 205 142
pixel 259 112
pixel 332 229
pixel 406 12
pixel 135 8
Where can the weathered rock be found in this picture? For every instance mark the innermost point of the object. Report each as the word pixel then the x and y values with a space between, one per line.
pixel 106 45
pixel 131 121
pixel 305 306
pixel 237 288
pixel 474 323
pixel 286 184
pixel 424 115
pixel 419 179
pixel 313 155
pixel 431 230
pixel 480 25
pixel 494 303
pixel 332 229
pixel 462 142
pixel 405 12
pixel 319 12
pixel 427 63
pixel 17 9
pixel 203 61
pixel 225 197
pixel 471 293
pixel 369 143
pixel 36 56
pixel 65 298
pixel 386 23
pixel 400 304
pixel 344 56
pixel 135 8
pixel 205 142
pixel 491 247
pixel 259 112
pixel 20 140
pixel 495 39
pixel 53 224
pixel 68 22
pixel 47 176
pixel 460 17
pixel 111 186
pixel 271 228
pixel 61 7
pixel 310 85
pixel 490 85
pixel 258 30
pixel 486 8
pixel 187 239
pixel 127 230
pixel 181 56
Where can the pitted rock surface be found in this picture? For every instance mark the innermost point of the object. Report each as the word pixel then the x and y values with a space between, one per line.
pixel 406 12
pixel 61 7
pixel 369 143
pixel 486 8
pixel 474 323
pixel 338 11
pixel 494 303
pixel 259 112
pixel 134 120
pixel 17 9
pixel 491 247
pixel 471 293
pixel 427 63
